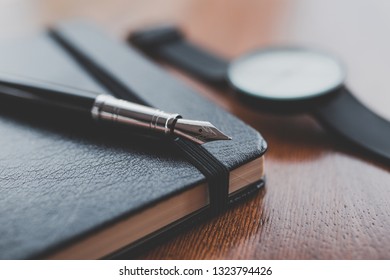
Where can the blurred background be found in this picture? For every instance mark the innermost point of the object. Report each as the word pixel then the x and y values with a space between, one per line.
pixel 355 30
pixel 322 201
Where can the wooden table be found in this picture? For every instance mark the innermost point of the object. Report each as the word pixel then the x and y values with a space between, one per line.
pixel 323 200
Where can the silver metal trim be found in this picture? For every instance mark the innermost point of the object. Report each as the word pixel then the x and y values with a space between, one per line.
pixel 108 108
pixel 111 109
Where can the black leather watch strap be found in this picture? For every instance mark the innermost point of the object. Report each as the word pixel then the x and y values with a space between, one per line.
pixel 169 44
pixel 340 112
pixel 345 115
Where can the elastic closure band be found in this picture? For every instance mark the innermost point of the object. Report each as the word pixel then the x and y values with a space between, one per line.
pixel 217 175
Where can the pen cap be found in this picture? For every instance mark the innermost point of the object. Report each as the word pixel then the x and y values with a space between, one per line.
pixel 115 110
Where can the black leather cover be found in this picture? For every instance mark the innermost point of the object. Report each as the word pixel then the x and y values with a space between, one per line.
pixel 61 178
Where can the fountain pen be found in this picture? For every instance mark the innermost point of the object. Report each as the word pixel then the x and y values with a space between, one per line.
pixel 110 109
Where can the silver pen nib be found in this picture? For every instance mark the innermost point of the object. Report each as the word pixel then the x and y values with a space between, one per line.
pixel 198 131
pixel 108 108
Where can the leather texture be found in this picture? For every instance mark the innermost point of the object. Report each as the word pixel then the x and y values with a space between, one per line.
pixel 349 118
pixel 62 178
pixel 168 43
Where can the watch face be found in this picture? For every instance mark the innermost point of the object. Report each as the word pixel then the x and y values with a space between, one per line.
pixel 286 74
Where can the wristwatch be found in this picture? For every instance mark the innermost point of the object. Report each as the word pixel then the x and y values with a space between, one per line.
pixel 278 80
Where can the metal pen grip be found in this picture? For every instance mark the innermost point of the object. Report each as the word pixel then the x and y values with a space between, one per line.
pixel 114 110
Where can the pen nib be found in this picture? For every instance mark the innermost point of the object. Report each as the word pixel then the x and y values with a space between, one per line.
pixel 198 131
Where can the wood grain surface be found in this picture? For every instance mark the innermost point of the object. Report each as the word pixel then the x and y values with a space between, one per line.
pixel 323 199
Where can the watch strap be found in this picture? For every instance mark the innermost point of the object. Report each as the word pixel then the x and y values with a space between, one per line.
pixel 349 118
pixel 169 44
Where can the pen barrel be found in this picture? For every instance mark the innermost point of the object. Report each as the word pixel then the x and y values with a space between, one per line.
pixel 111 109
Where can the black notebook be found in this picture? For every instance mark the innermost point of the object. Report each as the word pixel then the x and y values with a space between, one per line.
pixel 72 190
